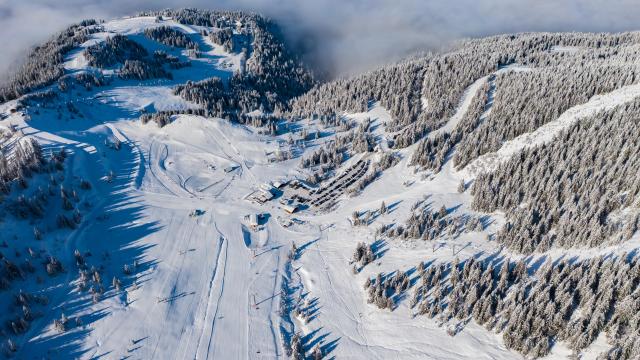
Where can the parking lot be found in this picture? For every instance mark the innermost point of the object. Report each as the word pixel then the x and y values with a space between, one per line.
pixel 329 192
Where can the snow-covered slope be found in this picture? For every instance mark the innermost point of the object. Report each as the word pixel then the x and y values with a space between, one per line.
pixel 188 244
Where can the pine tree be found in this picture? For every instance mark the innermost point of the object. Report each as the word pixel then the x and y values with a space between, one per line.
pixel 383 208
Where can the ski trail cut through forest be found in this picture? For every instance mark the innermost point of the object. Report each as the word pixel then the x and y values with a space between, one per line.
pixel 469 94
pixel 547 132
pixel 462 109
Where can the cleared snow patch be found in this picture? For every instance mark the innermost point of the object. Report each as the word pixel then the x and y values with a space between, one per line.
pixel 130 25
pixel 151 98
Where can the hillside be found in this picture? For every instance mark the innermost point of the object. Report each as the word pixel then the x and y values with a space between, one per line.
pixel 176 185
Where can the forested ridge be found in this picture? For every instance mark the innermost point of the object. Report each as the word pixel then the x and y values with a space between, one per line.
pixel 43 66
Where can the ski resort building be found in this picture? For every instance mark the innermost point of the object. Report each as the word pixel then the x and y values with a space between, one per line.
pixel 253 221
pixel 290 208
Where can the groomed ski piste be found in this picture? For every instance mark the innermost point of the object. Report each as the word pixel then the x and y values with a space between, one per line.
pixel 172 203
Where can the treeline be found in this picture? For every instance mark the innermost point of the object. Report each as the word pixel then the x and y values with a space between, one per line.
pixel 171 37
pixel 429 225
pixel 114 50
pixel 274 71
pixel 572 302
pixel 163 118
pixel 220 100
pixel 136 61
pixel 230 42
pixel 272 75
pixel 231 101
pixel 85 79
pixel 433 151
pixel 44 64
pixel 422 94
pixel 162 58
pixel 397 87
pixel 355 141
pixel 526 100
pixel 25 159
pixel 448 75
pixel 577 190
pixel 210 18
pixel 143 70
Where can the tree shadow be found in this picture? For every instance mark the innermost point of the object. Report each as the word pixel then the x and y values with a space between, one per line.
pixel 379 248
pixel 310 341
pixel 113 232
pixel 328 348
pixel 304 247
pixel 393 206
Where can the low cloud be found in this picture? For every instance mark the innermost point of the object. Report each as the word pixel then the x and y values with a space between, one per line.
pixel 342 36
